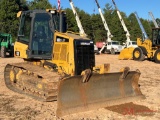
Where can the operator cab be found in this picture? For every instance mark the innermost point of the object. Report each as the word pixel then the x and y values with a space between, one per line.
pixel 156 37
pixel 133 43
pixel 37 29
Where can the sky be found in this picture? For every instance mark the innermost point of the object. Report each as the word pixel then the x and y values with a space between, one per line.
pixel 142 7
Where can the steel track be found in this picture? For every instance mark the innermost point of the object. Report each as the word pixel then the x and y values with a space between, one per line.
pixel 29 79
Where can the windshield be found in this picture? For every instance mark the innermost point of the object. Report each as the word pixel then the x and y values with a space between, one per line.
pixel 134 43
pixel 59 21
pixel 56 20
pixel 25 28
pixel 42 35
pixel 3 38
pixel 156 36
pixel 115 43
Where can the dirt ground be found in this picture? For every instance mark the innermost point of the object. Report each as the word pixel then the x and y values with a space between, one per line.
pixel 14 106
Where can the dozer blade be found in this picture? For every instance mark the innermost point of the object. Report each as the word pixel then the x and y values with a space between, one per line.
pixel 100 91
pixel 126 54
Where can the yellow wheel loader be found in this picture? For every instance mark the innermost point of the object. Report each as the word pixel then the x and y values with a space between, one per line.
pixel 146 48
pixel 60 66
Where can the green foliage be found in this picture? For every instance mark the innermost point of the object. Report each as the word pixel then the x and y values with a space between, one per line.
pixel 8 19
pixel 86 22
pixel 71 21
pixel 39 4
pixel 99 33
pixel 117 28
pixel 135 30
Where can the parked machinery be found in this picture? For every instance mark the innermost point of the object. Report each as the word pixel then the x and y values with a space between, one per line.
pixel 147 48
pixel 6 45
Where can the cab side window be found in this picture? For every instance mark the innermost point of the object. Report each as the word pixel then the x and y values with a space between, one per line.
pixel 25 28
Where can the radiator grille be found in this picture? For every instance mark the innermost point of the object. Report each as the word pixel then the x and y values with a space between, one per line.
pixel 84 55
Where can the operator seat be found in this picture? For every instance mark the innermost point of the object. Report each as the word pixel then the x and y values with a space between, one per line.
pixel 41 32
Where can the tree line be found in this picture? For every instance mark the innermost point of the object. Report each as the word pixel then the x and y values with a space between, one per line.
pixel 91 23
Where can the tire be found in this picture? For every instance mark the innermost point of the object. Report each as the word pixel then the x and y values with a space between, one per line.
pixel 157 56
pixel 3 52
pixel 112 51
pixel 138 54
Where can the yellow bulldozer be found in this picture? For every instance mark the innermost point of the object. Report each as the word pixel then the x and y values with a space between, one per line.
pixel 147 48
pixel 60 66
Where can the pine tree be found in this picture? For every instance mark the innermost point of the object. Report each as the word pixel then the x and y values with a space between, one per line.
pixel 39 4
pixel 8 12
